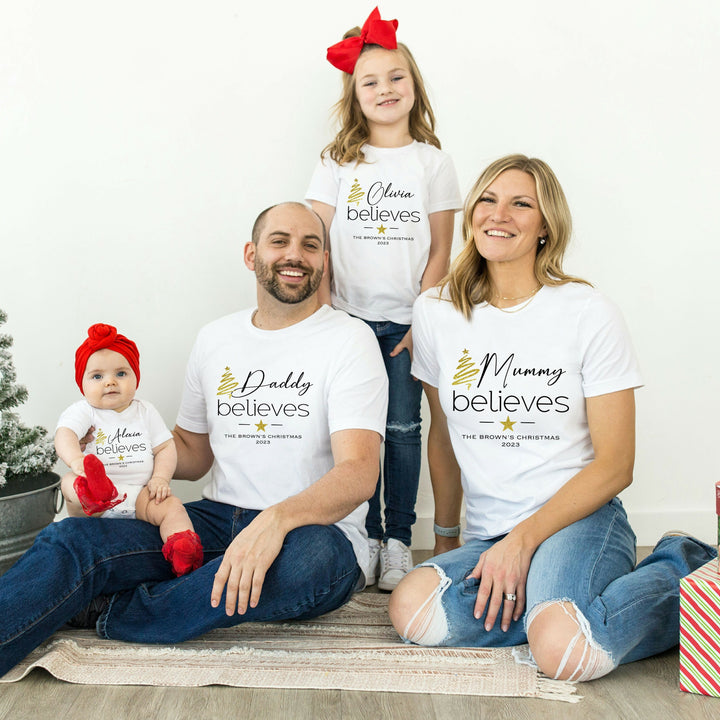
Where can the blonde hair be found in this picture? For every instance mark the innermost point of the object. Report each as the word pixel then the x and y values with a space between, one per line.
pixel 354 131
pixel 468 283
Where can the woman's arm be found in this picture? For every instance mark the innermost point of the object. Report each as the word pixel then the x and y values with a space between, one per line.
pixel 444 473
pixel 326 213
pixel 504 567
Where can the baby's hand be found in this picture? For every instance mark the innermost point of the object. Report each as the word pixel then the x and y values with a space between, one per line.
pixel 159 488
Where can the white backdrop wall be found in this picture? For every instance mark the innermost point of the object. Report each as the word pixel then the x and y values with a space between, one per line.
pixel 139 140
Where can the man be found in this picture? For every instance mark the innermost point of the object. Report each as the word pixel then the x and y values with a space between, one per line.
pixel 287 405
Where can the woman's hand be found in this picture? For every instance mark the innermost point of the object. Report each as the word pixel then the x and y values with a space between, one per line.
pixel 502 569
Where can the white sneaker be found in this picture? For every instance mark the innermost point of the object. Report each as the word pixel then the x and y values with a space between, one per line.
pixel 395 563
pixel 374 548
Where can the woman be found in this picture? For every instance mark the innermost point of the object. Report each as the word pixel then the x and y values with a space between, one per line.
pixel 530 377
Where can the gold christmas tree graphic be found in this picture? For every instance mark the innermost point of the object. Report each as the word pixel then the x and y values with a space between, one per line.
pixel 227 383
pixel 356 193
pixel 466 370
pixel 100 437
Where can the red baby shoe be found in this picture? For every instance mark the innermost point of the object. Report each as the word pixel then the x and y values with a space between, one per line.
pixel 96 491
pixel 184 551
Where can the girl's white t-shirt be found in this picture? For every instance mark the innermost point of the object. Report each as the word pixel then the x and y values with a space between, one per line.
pixel 380 234
pixel 513 387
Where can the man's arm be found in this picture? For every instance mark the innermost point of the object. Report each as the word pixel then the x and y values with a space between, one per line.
pixel 194 454
pixel 349 483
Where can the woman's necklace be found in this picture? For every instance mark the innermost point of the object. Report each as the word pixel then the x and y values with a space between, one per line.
pixel 529 297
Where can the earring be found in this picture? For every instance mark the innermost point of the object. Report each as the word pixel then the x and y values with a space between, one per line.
pixel 542 240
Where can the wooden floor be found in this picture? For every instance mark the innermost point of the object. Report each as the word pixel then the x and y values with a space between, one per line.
pixel 646 689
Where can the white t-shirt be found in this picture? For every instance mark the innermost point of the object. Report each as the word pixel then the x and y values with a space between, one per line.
pixel 380 235
pixel 123 440
pixel 513 388
pixel 270 400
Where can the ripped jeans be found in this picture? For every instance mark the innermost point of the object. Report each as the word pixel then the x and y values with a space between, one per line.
pixel 622 612
pixel 401 465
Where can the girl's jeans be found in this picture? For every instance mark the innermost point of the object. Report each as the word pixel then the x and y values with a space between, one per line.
pixel 632 612
pixel 77 559
pixel 401 466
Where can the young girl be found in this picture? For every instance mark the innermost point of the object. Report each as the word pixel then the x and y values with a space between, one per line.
pixel 133 442
pixel 388 194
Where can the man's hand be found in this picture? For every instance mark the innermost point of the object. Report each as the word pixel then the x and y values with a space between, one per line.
pixel 246 561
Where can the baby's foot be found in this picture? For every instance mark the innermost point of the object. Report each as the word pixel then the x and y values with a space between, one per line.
pixel 96 491
pixel 184 551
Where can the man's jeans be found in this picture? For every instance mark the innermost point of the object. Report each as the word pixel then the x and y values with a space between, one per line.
pixel 73 561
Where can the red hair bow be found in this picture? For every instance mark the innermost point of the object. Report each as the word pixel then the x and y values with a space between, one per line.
pixel 345 54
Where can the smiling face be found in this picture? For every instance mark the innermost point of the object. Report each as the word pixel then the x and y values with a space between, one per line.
pixel 289 257
pixel 109 382
pixel 384 88
pixel 507 222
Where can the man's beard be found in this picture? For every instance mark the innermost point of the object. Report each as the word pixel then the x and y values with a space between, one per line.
pixel 267 276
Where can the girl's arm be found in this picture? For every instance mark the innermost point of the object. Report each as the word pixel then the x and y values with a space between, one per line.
pixel 441 234
pixel 326 213
pixel 67 446
pixel 444 473
pixel 165 460
pixel 504 567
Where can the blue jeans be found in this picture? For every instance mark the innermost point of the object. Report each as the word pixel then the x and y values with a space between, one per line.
pixel 77 559
pixel 633 612
pixel 401 466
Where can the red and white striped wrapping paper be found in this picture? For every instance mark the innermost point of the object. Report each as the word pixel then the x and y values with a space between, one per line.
pixel 700 631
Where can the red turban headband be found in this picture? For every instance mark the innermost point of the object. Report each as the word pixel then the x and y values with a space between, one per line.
pixel 102 337
pixel 345 54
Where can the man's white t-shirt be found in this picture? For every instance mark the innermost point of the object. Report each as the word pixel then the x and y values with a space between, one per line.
pixel 380 234
pixel 513 387
pixel 270 400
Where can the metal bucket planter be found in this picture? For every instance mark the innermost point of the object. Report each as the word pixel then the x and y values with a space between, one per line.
pixel 24 514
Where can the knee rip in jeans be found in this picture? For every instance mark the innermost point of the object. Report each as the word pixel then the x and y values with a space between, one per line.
pixel 428 625
pixel 394 426
pixel 594 662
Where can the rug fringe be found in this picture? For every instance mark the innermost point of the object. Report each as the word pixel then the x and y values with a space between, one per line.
pixel 548 689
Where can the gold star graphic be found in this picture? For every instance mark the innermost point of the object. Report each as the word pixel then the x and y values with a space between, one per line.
pixel 382 229
pixel 261 426
pixel 508 424
pixel 121 458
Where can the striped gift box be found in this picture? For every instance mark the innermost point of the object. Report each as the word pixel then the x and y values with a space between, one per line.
pixel 700 631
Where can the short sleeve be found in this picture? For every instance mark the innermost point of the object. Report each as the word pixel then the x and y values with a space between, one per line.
pixel 425 365
pixel 324 183
pixel 609 363
pixel 159 432
pixel 444 188
pixel 78 418
pixel 358 388
pixel 192 415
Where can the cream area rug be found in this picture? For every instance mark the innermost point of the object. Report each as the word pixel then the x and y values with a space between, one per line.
pixel 353 648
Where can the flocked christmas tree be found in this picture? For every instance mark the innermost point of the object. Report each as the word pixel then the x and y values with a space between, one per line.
pixel 23 450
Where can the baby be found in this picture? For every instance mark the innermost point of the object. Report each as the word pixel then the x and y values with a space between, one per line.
pixel 131 441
